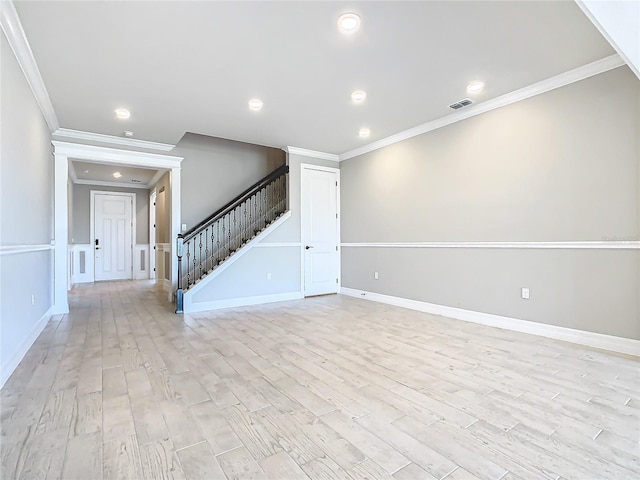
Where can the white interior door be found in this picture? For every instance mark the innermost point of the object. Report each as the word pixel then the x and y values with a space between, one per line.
pixel 113 222
pixel 320 230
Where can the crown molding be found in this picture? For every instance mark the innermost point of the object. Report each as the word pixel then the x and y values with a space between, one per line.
pixel 102 183
pixel 312 153
pixel 13 31
pixel 99 137
pixel 566 78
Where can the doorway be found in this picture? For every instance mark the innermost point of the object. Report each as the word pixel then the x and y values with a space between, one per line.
pixel 320 229
pixel 112 227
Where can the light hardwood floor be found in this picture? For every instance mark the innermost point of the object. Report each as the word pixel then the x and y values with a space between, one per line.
pixel 322 388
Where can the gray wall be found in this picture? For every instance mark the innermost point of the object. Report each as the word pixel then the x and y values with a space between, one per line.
pixel 215 171
pixel 26 210
pixel 81 219
pixel 562 166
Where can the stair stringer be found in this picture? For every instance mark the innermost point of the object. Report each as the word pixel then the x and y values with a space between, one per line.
pixel 188 304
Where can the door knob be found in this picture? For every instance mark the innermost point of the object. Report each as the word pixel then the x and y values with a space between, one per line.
pixel 308 247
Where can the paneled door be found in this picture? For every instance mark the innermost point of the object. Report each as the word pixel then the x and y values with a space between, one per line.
pixel 113 235
pixel 320 229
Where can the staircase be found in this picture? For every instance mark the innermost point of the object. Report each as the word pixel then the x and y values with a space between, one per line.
pixel 213 241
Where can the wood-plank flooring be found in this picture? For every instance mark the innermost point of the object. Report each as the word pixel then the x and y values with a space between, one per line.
pixel 322 388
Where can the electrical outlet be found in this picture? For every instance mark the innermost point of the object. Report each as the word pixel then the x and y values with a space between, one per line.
pixel 269 276
pixel 525 293
pixel 375 275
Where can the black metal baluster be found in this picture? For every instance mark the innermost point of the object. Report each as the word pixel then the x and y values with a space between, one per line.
pixel 218 243
pixel 187 264
pixel 229 235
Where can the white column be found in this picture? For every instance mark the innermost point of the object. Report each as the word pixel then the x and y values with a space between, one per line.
pixel 60 207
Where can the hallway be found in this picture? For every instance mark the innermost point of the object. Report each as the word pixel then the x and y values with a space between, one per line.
pixel 328 387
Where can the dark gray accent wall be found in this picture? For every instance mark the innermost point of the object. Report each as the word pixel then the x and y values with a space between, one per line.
pixel 215 170
pixel 561 166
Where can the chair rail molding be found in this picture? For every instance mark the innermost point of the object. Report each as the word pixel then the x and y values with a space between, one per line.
pixel 599 245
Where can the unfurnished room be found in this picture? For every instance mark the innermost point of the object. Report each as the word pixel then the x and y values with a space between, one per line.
pixel 370 240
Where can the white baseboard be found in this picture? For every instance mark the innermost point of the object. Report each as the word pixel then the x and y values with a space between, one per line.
pixel 18 354
pixel 244 301
pixel 581 337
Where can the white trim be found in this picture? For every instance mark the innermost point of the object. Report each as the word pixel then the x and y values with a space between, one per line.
pixel 166 286
pixel 617 245
pixel 12 28
pixel 88 275
pixel 279 244
pixel 152 234
pixel 99 137
pixel 244 301
pixel 188 295
pixel 72 173
pixel 309 166
pixel 21 350
pixel 102 183
pixel 581 337
pixel 138 272
pixel 575 75
pixel 312 153
pixel 17 249
pixel 92 153
pixel 61 234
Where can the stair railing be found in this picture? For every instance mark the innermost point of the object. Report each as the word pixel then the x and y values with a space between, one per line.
pixel 215 239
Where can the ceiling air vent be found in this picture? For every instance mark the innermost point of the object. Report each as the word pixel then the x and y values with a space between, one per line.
pixel 461 103
pixel 133 180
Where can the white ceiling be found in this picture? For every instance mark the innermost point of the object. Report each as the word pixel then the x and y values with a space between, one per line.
pixel 192 66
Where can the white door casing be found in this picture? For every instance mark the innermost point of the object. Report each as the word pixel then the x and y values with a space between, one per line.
pixel 112 239
pixel 320 229
pixel 152 235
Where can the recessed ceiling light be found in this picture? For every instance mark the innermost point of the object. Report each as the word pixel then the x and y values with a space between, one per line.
pixel 85 171
pixel 255 104
pixel 348 22
pixel 122 113
pixel 358 96
pixel 475 87
pixel 128 133
pixel 364 132
pixel 117 174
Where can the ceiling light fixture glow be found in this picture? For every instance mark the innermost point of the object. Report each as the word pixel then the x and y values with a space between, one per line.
pixel 348 22
pixel 475 87
pixel 358 96
pixel 117 174
pixel 364 132
pixel 255 104
pixel 122 113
